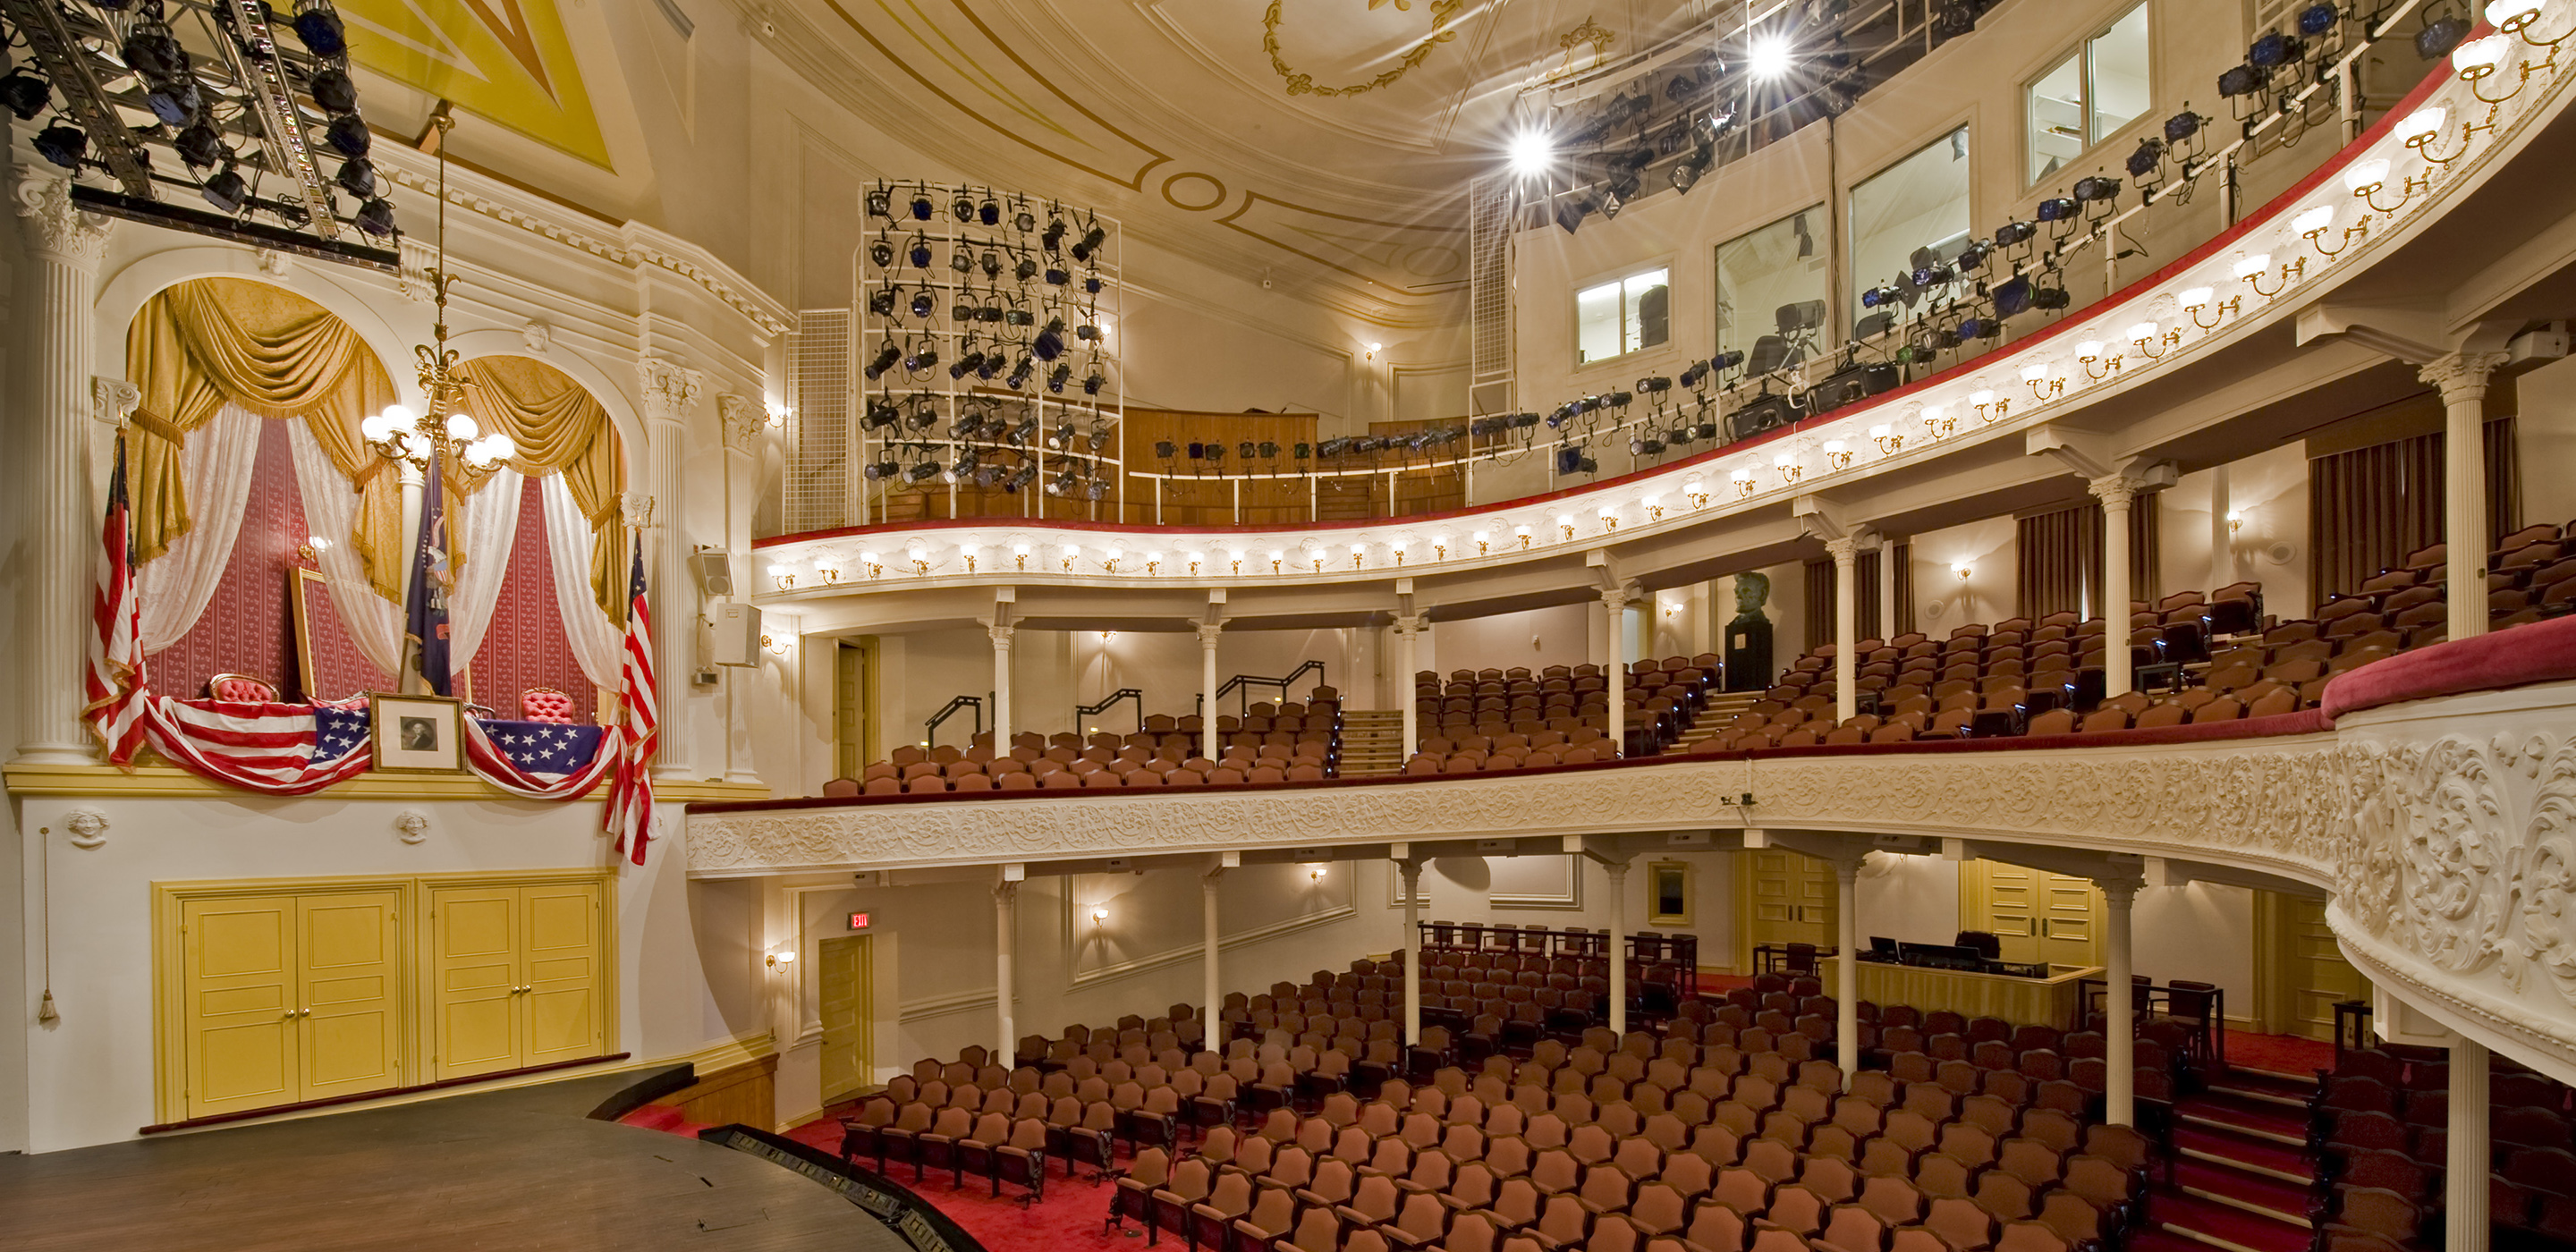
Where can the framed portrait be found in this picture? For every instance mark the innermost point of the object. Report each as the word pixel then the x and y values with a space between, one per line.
pixel 1668 893
pixel 419 734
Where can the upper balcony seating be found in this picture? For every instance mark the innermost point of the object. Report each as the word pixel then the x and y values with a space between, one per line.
pixel 1292 742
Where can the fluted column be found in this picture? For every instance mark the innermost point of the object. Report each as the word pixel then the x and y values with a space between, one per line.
pixel 1408 649
pixel 2119 1004
pixel 1845 551
pixel 1211 988
pixel 2116 494
pixel 1208 635
pixel 2462 377
pixel 1614 608
pixel 670 391
pixel 1412 874
pixel 1001 636
pixel 1618 875
pixel 1847 966
pixel 1006 943
pixel 1886 588
pixel 742 422
pixel 66 245
pixel 2465 1192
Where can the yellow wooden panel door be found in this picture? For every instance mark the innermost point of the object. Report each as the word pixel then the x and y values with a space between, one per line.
pixel 2070 920
pixel 559 973
pixel 350 953
pixel 474 979
pixel 844 971
pixel 1792 898
pixel 2318 977
pixel 241 1011
pixel 2037 915
pixel 2007 907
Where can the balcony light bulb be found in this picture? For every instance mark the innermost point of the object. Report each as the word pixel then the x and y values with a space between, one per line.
pixel 2361 175
pixel 2423 124
pixel 462 428
pixel 1609 511
pixel 1115 553
pixel 916 555
pixel 2143 330
pixel 2194 297
pixel 1234 554
pixel 1834 445
pixel 1072 550
pixel 1652 502
pixel 1933 412
pixel 377 428
pixel 1195 557
pixel 1739 475
pixel 1980 399
pixel 869 558
pixel 2502 13
pixel 1564 519
pixel 1783 461
pixel 2314 220
pixel 2480 56
pixel 2033 373
pixel 400 415
pixel 2089 349
pixel 969 549
pixel 1019 549
pixel 502 444
pixel 317 543
pixel 1153 558
pixel 1359 549
pixel 781 571
pixel 2248 267
pixel 1881 431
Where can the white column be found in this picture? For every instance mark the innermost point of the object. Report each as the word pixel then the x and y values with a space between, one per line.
pixel 1001 635
pixel 1614 606
pixel 2464 1180
pixel 1408 641
pixel 1006 942
pixel 1845 552
pixel 2462 376
pixel 742 420
pixel 1618 874
pixel 2222 541
pixel 1847 966
pixel 1411 872
pixel 61 525
pixel 2115 493
pixel 2119 1003
pixel 1886 588
pixel 670 392
pixel 1210 987
pixel 1207 689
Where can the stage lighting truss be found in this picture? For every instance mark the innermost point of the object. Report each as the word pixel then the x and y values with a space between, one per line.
pixel 236 119
pixel 986 355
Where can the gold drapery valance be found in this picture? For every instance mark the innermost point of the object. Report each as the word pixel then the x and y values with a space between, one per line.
pixel 560 428
pixel 207 342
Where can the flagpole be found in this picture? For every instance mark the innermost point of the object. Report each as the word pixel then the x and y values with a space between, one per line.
pixel 407 672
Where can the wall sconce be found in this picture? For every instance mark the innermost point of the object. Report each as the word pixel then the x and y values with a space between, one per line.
pixel 2313 225
pixel 2194 299
pixel 1359 555
pixel 1195 559
pixel 1654 506
pixel 1070 553
pixel 1020 555
pixel 2254 269
pixel 312 548
pixel 777 644
pixel 2365 178
pixel 2146 333
pixel 780 959
pixel 2042 386
pixel 1098 916
pixel 1963 570
pixel 831 573
pixel 1990 408
pixel 1838 455
pixel 784 576
pixel 876 566
pixel 1275 559
pixel 1236 556
pixel 1110 561
pixel 1440 547
pixel 1107 635
pixel 1743 480
pixel 1315 873
pixel 1885 436
pixel 777 414
pixel 1937 421
pixel 1484 542
pixel 1523 534
pixel 1153 564
pixel 920 561
pixel 1565 522
pixel 2235 521
pixel 1609 519
pixel 1374 349
pixel 1697 492
pixel 2089 354
pixel 968 551
pixel 1395 548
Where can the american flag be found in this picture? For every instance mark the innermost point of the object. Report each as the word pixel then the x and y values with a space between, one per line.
pixel 542 760
pixel 280 749
pixel 630 792
pixel 117 706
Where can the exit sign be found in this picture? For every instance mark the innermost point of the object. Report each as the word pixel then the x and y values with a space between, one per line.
pixel 858 921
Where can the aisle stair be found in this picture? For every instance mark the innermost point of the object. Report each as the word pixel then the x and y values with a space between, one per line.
pixel 1372 743
pixel 1713 717
pixel 2240 1178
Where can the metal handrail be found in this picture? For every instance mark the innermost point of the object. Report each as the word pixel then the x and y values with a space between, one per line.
pixel 930 728
pixel 1084 712
pixel 1239 682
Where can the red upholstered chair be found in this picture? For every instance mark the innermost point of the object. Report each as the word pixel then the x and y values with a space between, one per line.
pixel 545 704
pixel 241 687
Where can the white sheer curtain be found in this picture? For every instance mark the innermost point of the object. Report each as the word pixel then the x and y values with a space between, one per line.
pixel 216 465
pixel 597 643
pixel 374 623
pixel 490 530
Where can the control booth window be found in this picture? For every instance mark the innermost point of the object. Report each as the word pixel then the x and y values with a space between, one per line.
pixel 1771 290
pixel 1908 224
pixel 1616 318
pixel 2099 88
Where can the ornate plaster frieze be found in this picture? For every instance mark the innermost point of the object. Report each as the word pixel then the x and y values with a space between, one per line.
pixel 2373 198
pixel 2445 829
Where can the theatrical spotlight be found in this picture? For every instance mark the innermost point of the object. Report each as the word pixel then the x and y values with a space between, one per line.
pixel 1769 57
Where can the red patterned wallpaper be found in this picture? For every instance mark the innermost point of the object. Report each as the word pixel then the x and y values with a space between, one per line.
pixel 339 669
pixel 525 646
pixel 248 628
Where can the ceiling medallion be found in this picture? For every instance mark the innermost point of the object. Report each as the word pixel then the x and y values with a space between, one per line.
pixel 1442 11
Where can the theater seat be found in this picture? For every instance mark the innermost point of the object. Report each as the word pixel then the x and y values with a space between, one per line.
pixel 545 704
pixel 241 687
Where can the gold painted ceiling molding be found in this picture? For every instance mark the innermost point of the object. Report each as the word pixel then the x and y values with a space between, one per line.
pixel 1301 84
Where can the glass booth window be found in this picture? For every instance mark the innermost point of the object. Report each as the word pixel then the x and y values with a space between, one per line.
pixel 1897 214
pixel 1771 285
pixel 2096 90
pixel 1616 318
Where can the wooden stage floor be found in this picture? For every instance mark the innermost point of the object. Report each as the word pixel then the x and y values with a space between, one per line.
pixel 521 1169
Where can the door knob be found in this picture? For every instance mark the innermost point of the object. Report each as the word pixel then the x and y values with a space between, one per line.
pixel 290 1015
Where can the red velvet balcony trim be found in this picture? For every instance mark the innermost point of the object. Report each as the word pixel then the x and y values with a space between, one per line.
pixel 2536 652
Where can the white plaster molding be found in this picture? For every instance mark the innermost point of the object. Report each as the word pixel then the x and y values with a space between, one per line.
pixel 112 400
pixel 537 336
pixel 87 828
pixel 55 226
pixel 740 420
pixel 412 825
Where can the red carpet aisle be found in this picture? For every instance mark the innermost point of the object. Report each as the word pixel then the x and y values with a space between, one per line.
pixel 1068 1221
